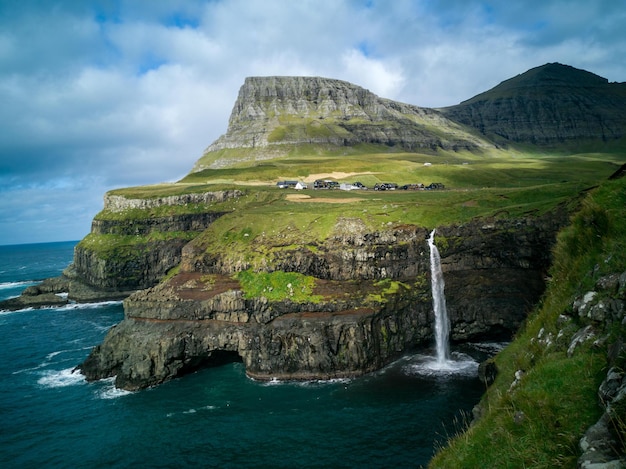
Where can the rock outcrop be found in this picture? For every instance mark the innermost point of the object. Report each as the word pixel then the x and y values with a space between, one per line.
pixel 597 311
pixel 140 247
pixel 50 292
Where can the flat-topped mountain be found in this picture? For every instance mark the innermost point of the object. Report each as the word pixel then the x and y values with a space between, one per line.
pixel 274 114
pixel 551 105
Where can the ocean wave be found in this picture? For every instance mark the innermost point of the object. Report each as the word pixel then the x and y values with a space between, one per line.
pixel 51 355
pixel 49 360
pixel 24 283
pixel 28 370
pixel 65 307
pixel 109 391
pixel 6 312
pixel 61 378
pixel 191 411
pixel 100 304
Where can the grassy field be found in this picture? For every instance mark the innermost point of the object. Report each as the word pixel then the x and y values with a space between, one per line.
pixel 476 184
pixel 496 183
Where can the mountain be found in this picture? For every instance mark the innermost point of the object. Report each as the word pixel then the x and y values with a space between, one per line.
pixel 550 105
pixel 274 114
pixel 553 105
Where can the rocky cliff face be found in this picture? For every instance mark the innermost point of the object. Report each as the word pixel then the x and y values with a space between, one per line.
pixel 144 248
pixel 494 270
pixel 548 105
pixel 272 113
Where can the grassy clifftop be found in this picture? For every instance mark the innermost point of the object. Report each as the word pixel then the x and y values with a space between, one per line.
pixel 493 184
pixel 538 419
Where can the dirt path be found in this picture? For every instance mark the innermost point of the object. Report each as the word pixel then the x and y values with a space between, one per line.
pixel 326 200
pixel 334 175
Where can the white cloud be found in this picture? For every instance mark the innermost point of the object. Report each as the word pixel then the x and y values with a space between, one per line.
pixel 384 79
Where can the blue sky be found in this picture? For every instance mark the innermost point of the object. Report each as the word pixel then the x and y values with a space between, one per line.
pixel 98 95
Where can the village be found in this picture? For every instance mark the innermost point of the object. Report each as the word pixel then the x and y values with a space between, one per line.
pixel 327 184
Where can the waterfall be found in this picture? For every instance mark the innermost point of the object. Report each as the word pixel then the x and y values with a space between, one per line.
pixel 442 323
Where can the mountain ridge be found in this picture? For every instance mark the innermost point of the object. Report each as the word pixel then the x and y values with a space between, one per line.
pixel 549 105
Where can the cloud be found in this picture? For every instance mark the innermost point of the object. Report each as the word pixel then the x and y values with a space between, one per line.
pixel 385 78
pixel 101 94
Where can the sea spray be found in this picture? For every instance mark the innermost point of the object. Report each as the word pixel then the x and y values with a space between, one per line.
pixel 442 323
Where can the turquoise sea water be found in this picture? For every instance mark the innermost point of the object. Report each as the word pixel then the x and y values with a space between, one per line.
pixel 213 418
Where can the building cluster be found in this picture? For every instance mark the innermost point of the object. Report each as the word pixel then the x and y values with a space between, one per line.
pixel 385 186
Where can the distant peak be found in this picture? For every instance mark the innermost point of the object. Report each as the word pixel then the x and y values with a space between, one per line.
pixel 554 74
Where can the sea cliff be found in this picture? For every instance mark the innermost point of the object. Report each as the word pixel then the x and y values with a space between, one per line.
pixel 369 303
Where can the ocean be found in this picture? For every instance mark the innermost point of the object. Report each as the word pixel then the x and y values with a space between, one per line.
pixel 217 417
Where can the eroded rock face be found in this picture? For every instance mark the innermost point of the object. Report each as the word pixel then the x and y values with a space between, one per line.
pixel 182 324
pixel 117 203
pixel 329 112
pixel 95 276
pixel 493 271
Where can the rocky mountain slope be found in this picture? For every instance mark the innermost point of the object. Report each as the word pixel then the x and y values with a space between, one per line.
pixel 550 105
pixel 272 114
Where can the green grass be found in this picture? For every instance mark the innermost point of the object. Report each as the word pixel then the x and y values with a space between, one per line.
pixel 124 247
pixel 537 425
pixel 491 184
pixel 277 286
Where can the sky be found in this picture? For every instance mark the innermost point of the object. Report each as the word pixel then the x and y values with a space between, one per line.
pixel 102 94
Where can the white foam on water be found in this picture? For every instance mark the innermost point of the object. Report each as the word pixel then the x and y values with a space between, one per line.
pixel 28 370
pixel 459 365
pixel 6 312
pixel 65 307
pixel 324 382
pixel 50 356
pixel 73 306
pixel 25 283
pixel 191 411
pixel 273 382
pixel 62 378
pixel 111 392
pixel 311 382
pixel 108 389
